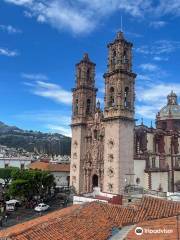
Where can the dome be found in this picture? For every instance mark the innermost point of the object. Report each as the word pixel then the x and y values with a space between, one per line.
pixel 171 110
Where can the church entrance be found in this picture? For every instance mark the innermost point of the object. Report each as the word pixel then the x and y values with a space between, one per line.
pixel 95 181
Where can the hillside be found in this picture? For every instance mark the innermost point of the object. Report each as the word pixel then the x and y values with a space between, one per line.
pixel 32 141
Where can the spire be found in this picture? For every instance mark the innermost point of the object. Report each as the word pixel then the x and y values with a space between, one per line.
pixel 98 105
pixel 142 121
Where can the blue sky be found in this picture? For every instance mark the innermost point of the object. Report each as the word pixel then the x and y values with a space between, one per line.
pixel 41 41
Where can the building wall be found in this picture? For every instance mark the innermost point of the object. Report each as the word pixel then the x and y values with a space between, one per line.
pixel 78 150
pixel 61 178
pixel 150 142
pixel 139 166
pixel 159 178
pixel 14 162
pixel 119 143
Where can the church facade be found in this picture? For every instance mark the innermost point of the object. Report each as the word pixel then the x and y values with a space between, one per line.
pixel 103 142
pixel 108 150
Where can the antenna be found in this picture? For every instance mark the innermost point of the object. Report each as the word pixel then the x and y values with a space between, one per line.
pixel 121 24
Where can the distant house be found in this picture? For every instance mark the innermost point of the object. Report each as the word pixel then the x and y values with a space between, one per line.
pixel 20 162
pixel 60 171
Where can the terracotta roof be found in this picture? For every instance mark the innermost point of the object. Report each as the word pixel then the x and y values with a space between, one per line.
pixel 39 165
pixel 84 222
pixel 52 167
pixel 23 227
pixel 167 225
pixel 94 221
pixel 59 167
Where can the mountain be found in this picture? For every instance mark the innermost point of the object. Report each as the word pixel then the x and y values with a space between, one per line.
pixel 33 141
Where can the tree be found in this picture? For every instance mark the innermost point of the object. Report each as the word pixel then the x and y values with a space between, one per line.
pixel 6 174
pixel 19 188
pixel 29 183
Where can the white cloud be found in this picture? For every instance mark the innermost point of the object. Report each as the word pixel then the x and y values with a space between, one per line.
pixel 37 76
pixel 82 16
pixel 10 29
pixel 158 58
pixel 51 121
pixel 149 67
pixel 152 97
pixel 143 77
pixel 64 130
pixel 157 24
pixel 51 91
pixel 168 7
pixel 8 53
pixel 19 2
pixel 159 47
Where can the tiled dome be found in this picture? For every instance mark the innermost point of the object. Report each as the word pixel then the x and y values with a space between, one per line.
pixel 172 109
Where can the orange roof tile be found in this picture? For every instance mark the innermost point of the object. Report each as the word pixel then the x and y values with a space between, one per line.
pixel 52 167
pixel 94 221
pixel 160 229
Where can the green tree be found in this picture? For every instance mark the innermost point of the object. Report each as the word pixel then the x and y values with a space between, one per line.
pixel 29 183
pixel 6 174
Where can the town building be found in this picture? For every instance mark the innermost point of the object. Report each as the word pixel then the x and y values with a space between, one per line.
pixel 108 151
pixel 157 150
pixel 60 171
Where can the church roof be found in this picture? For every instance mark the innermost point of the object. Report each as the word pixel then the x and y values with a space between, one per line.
pixel 171 110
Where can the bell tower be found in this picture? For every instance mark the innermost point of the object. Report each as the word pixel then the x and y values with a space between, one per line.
pixel 118 115
pixel 83 109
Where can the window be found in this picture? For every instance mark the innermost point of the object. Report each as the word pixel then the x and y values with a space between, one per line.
pixel 111 97
pixel 114 53
pixel 110 187
pixel 76 107
pixel 6 165
pixel 22 166
pixel 125 57
pixel 126 92
pixel 95 134
pixel 88 75
pixel 88 106
pixel 153 162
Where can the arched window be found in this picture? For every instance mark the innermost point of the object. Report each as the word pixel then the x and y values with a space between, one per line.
pixel 95 181
pixel 114 53
pixel 111 97
pixel 76 107
pixel 126 92
pixel 95 134
pixel 88 74
pixel 88 106
pixel 125 56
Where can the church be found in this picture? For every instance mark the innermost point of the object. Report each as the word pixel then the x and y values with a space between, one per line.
pixel 108 151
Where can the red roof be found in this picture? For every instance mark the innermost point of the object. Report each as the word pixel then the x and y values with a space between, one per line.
pixel 52 167
pixel 96 221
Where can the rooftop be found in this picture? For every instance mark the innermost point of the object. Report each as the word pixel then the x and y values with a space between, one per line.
pixel 52 167
pixel 97 221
